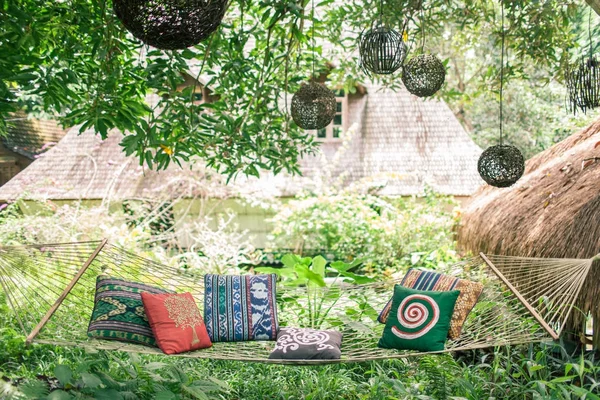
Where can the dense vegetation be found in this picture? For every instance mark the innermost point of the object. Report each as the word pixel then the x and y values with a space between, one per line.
pixel 75 61
pixel 43 371
pixel 531 372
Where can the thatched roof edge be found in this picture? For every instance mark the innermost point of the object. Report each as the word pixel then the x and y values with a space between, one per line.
pixel 553 211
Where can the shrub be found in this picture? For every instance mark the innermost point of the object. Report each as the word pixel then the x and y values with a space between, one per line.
pixel 216 250
pixel 386 233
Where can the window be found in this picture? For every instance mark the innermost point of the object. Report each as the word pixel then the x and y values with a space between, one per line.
pixel 333 132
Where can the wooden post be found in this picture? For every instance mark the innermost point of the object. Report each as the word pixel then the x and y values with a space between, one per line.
pixel 522 299
pixel 64 294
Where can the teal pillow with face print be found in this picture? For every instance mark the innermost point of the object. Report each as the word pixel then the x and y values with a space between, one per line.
pixel 239 308
pixel 418 320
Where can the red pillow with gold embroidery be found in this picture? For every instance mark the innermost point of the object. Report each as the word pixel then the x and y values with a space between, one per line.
pixel 176 322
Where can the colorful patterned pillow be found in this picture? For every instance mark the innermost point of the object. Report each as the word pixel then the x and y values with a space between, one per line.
pixel 307 344
pixel 119 312
pixel 176 322
pixel 419 319
pixel 429 280
pixel 238 308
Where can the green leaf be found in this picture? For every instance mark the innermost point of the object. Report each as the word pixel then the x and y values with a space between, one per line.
pixel 165 395
pixel 318 265
pixel 306 261
pixel 23 77
pixel 563 379
pixel 107 394
pixel 290 260
pixel 63 374
pixel 33 389
pixel 358 279
pixel 153 366
pixel 188 54
pixel 341 266
pixel 90 380
pixel 305 273
pixel 59 395
pixel 195 391
pixel 295 282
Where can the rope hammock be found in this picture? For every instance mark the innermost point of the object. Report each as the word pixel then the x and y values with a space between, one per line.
pixel 51 287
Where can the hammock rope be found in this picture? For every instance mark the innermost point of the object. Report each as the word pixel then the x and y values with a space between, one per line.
pixel 51 287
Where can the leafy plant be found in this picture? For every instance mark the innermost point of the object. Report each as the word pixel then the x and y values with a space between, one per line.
pixel 311 274
pixel 385 234
pixel 155 380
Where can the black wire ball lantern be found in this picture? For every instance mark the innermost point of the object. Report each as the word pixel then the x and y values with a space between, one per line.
pixel 501 165
pixel 170 24
pixel 423 75
pixel 313 106
pixel 583 85
pixel 382 50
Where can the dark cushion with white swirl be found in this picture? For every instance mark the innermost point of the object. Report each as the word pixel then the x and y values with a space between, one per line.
pixel 307 344
pixel 418 320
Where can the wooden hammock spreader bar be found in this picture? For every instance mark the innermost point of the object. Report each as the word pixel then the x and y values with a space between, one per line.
pixel 522 299
pixel 64 294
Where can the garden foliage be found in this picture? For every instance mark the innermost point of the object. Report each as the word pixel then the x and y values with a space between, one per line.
pixel 384 233
pixel 48 372
pixel 75 61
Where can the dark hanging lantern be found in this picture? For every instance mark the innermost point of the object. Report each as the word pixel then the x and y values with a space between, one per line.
pixel 501 165
pixel 424 75
pixel 583 85
pixel 382 50
pixel 313 106
pixel 170 24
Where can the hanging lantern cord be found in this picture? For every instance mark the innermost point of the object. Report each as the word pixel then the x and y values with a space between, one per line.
pixel 422 28
pixel 590 32
pixel 381 12
pixel 502 74
pixel 313 38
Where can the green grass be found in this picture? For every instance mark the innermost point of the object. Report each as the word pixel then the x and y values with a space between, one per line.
pixel 526 372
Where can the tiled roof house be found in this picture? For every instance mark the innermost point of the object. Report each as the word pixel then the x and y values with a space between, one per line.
pixel 26 139
pixel 398 141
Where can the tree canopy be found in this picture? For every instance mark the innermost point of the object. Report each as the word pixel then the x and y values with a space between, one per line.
pixel 74 60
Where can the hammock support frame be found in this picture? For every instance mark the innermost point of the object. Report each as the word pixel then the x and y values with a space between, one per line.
pixel 64 294
pixel 58 279
pixel 534 313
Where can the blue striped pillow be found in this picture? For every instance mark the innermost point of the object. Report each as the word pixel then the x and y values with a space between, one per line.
pixel 239 308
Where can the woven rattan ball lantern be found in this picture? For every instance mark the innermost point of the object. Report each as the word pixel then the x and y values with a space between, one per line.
pixel 382 50
pixel 501 165
pixel 423 75
pixel 170 24
pixel 313 106
pixel 583 85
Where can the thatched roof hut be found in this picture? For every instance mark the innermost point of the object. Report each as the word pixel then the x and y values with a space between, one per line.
pixel 553 211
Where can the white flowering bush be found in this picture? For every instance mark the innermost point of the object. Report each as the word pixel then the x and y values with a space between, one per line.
pixel 208 250
pixel 221 250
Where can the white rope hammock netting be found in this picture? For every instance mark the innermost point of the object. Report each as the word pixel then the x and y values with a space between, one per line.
pixel 37 281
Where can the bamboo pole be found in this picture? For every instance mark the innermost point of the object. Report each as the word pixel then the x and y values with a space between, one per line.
pixel 64 294
pixel 533 312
